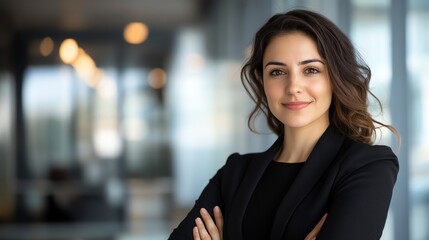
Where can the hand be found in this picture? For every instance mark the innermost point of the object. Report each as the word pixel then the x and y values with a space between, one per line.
pixel 313 234
pixel 209 229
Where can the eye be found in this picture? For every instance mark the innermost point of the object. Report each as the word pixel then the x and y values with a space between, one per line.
pixel 311 71
pixel 277 72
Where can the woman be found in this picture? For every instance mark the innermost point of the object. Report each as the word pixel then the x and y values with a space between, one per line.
pixel 322 177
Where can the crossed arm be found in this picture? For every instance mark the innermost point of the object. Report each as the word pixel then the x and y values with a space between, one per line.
pixel 207 229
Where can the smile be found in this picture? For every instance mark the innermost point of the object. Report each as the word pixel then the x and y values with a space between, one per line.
pixel 296 105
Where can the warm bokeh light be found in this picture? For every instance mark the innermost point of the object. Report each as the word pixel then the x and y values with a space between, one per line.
pixel 96 78
pixel 157 78
pixel 46 46
pixel 136 32
pixel 69 51
pixel 85 67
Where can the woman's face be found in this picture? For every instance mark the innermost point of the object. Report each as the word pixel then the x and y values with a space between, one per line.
pixel 296 81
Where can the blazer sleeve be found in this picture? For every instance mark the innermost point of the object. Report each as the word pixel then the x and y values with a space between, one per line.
pixel 361 197
pixel 209 198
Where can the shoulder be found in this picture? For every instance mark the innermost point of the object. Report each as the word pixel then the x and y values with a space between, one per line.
pixel 238 164
pixel 237 160
pixel 240 160
pixel 368 153
pixel 356 155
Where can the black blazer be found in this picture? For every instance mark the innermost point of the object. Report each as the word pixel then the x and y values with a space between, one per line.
pixel 349 180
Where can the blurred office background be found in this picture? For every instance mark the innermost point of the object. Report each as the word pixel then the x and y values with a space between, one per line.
pixel 103 137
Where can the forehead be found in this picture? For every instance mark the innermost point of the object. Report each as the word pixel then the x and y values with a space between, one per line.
pixel 291 45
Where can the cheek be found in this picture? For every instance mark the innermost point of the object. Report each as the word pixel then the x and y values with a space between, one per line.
pixel 271 96
pixel 322 90
pixel 328 92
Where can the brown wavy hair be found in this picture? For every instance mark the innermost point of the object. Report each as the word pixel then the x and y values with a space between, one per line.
pixel 349 74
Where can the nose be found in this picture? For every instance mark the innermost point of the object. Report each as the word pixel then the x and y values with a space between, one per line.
pixel 294 84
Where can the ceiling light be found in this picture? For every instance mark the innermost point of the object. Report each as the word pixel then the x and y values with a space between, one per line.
pixel 69 50
pixel 136 32
pixel 46 46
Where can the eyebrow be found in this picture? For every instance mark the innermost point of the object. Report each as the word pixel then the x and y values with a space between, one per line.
pixel 304 62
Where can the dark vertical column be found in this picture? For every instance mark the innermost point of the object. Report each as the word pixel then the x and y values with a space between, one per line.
pixel 224 29
pixel 400 113
pixel 19 64
pixel 255 14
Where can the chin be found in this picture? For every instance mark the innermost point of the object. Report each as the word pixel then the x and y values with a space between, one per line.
pixel 295 124
pixel 301 124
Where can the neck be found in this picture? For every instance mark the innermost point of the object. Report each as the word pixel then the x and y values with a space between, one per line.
pixel 298 143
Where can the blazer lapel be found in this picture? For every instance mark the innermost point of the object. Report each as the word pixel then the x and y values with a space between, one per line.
pixel 255 170
pixel 319 160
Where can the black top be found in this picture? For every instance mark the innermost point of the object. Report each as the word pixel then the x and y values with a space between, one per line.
pixel 273 186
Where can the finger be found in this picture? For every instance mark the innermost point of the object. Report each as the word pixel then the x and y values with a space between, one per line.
pixel 320 223
pixel 210 225
pixel 195 233
pixel 313 234
pixel 218 219
pixel 203 234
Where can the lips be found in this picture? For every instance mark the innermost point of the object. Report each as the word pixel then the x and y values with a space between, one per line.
pixel 296 105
